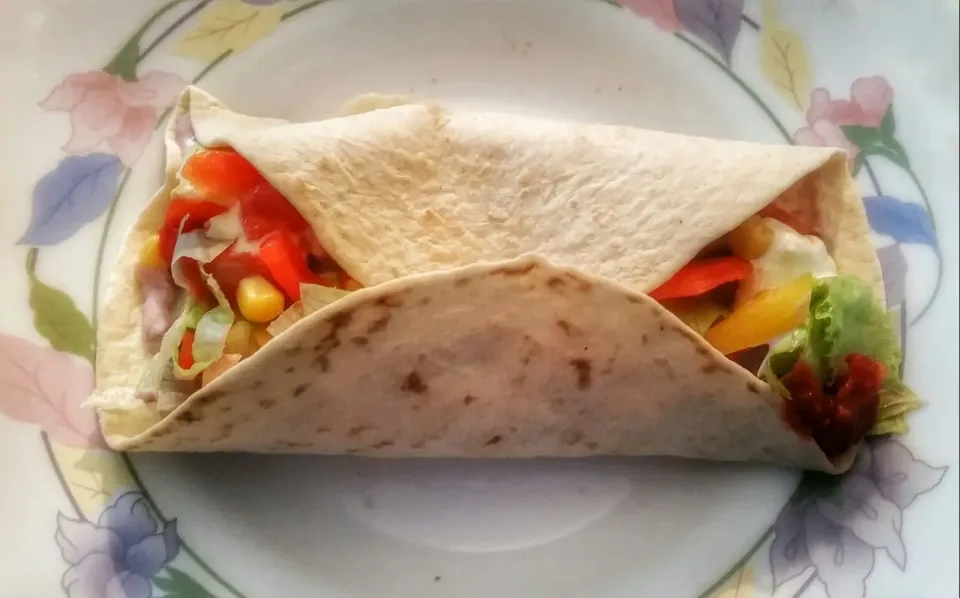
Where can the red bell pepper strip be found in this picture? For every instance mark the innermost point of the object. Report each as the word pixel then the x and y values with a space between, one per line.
pixel 286 262
pixel 702 276
pixel 221 174
pixel 264 210
pixel 196 212
pixel 232 266
pixel 185 356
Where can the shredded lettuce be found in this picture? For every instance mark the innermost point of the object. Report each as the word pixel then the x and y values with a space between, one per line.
pixel 846 318
pixel 211 333
pixel 158 380
pixel 194 245
pixel 313 297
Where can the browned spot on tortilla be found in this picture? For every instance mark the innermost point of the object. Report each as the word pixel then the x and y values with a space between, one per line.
pixel 340 320
pixel 418 444
pixel 663 364
pixel 292 351
pixel 301 389
pixel 494 440
pixel 662 327
pixel 753 387
pixel 225 431
pixel 710 367
pixel 556 283
pixel 584 374
pixel 267 403
pixel 571 437
pixel 469 399
pixel 558 402
pixel 256 384
pixel 187 417
pixel 462 282
pixel 391 300
pixel 360 340
pixel 227 408
pixel 322 362
pixel 633 299
pixel 379 324
pixel 513 270
pixel 568 328
pixel 414 383
pixel 209 398
pixel 423 301
pixel 382 444
pixel 703 352
pixel 353 451
pixel 356 431
pixel 322 430
pixel 290 369
pixel 592 445
pixel 644 339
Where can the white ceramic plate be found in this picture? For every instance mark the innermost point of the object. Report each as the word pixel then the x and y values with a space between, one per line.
pixel 84 86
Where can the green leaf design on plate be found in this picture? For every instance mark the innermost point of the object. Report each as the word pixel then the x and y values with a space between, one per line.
pixel 180 585
pixel 877 141
pixel 56 317
pixel 865 138
pixel 888 126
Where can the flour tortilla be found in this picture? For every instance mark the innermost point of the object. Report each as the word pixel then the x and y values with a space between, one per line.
pixel 412 200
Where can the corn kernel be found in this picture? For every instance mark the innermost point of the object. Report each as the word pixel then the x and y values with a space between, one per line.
pixel 240 339
pixel 150 253
pixel 258 300
pixel 751 239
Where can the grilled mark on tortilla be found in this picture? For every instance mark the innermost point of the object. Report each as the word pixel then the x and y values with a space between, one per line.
pixel 391 300
pixel 301 389
pixel 267 403
pixel 360 340
pixel 513 270
pixel 568 328
pixel 379 324
pixel 357 430
pixel 469 399
pixel 584 374
pixel 556 283
pixel 414 383
pixel 494 440
pixel 187 417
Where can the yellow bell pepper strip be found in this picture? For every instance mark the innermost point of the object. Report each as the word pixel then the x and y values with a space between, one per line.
pixel 770 314
pixel 702 276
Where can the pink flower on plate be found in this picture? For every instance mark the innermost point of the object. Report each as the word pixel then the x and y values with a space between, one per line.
pixel 107 108
pixel 659 11
pixel 870 100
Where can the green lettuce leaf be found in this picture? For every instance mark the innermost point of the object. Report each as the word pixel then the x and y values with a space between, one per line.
pixel 211 333
pixel 846 318
pixel 158 380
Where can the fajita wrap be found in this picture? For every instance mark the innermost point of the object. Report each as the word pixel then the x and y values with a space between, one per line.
pixel 412 281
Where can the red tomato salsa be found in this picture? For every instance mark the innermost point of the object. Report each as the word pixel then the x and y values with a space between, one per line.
pixel 839 415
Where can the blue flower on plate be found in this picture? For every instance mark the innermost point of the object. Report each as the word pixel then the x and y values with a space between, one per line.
pixel 833 527
pixel 118 556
